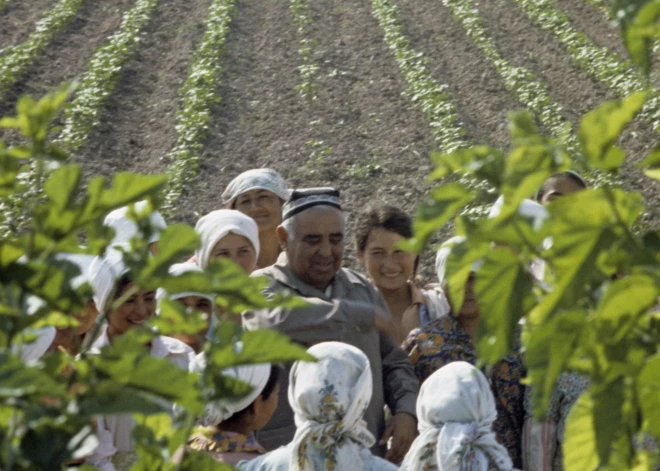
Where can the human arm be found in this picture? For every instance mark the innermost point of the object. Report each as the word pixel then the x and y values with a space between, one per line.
pixel 105 450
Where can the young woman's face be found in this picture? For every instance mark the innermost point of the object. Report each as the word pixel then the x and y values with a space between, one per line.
pixel 238 248
pixel 389 267
pixel 135 311
pixel 201 304
pixel 263 206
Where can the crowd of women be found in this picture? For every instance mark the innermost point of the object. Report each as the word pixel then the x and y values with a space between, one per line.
pixel 465 419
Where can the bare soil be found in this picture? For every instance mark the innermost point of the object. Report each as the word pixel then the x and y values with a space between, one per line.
pixel 361 134
pixel 18 18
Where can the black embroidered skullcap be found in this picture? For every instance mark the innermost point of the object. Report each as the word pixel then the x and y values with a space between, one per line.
pixel 306 198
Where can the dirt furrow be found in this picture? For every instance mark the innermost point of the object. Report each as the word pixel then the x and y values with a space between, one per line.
pixel 478 92
pixel 260 120
pixel 18 19
pixel 593 23
pixel 377 141
pixel 138 121
pixel 67 57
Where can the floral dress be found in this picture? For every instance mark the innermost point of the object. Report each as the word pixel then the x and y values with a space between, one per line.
pixel 443 341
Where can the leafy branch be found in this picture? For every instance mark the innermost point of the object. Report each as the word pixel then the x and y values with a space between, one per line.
pixel 17 59
pixel 308 68
pixel 82 115
pixel 199 94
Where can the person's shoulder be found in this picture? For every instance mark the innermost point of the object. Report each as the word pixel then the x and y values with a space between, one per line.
pixel 276 460
pixel 357 279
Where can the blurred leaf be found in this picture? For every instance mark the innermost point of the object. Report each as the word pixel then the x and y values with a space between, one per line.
pixel 607 405
pixel 434 212
pixel 260 346
pixel 651 164
pixel 62 185
pixel 202 461
pixel 600 129
pixel 648 390
pixel 503 290
pixel 579 447
pixel 174 318
pixel 640 35
pixel 17 379
pixel 484 163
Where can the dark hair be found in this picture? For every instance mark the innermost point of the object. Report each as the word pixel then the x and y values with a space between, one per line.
pixel 269 388
pixel 569 175
pixel 121 285
pixel 385 217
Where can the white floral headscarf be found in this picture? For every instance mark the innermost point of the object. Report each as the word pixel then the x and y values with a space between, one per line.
pixel 456 410
pixel 329 399
pixel 256 179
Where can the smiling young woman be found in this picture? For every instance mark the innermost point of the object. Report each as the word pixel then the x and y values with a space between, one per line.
pixel 379 231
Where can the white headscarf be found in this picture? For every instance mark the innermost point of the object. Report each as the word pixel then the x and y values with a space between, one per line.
pixel 125 228
pixel 256 179
pixel 529 209
pixel 83 261
pixel 217 224
pixel 104 272
pixel 456 410
pixel 442 256
pixel 329 399
pixel 31 352
pixel 218 411
pixel 179 269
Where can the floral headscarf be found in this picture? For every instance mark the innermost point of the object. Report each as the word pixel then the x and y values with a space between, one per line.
pixel 256 179
pixel 456 410
pixel 329 399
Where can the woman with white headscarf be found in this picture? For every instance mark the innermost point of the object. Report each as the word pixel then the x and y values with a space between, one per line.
pixel 110 279
pixel 260 194
pixel 125 228
pixel 228 233
pixel 228 426
pixel 328 398
pixel 200 302
pixel 456 410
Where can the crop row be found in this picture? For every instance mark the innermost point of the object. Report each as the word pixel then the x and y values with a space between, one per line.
pixel 529 91
pixel 83 113
pixel 17 59
pixel 431 96
pixel 600 63
pixel 199 94
pixel 307 67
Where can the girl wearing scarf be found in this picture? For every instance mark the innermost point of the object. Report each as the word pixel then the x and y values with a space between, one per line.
pixel 200 302
pixel 329 399
pixel 260 194
pixel 110 279
pixel 228 233
pixel 229 425
pixel 456 410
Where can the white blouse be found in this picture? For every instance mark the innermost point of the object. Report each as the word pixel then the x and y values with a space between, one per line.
pixel 114 431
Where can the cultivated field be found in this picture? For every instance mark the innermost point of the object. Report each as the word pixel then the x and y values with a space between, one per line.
pixel 348 93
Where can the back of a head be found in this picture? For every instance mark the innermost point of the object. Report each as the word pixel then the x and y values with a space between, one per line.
pixel 125 228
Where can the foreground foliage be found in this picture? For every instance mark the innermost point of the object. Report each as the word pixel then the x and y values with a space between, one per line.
pixel 47 408
pixel 596 310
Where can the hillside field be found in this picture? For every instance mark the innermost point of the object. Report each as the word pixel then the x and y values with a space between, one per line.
pixel 347 93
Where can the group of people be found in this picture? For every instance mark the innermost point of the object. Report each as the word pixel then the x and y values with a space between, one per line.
pixel 377 336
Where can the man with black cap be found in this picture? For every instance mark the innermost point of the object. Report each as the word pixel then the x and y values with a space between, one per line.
pixel 343 306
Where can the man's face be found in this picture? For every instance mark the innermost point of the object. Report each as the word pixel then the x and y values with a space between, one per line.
pixel 317 248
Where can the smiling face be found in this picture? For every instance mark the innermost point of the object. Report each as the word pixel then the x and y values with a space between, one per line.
pixel 237 248
pixel 134 312
pixel 389 267
pixel 264 206
pixel 316 250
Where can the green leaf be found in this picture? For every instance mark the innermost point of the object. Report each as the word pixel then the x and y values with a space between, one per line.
pixel 651 164
pixel 62 185
pixel 640 35
pixel 648 393
pixel 260 346
pixel 174 318
pixel 484 163
pixel 580 448
pixel 434 212
pixel 548 348
pixel 600 129
pixel 504 292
